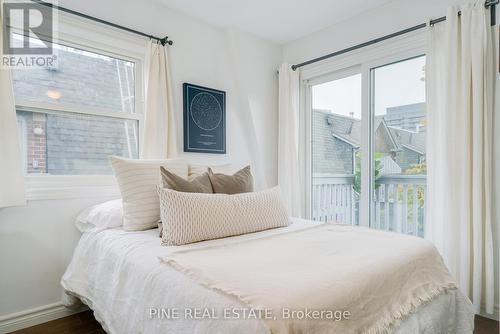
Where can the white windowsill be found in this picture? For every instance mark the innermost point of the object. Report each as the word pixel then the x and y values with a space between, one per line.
pixel 52 187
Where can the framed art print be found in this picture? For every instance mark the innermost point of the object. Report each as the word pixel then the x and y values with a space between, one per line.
pixel 204 119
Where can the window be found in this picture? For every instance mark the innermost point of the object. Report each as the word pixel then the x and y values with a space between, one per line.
pixel 399 140
pixel 365 138
pixel 77 113
pixel 336 149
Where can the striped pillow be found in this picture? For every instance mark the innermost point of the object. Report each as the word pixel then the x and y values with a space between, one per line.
pixel 137 180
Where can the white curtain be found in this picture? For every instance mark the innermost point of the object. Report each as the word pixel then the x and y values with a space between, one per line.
pixel 460 71
pixel 289 177
pixel 12 191
pixel 158 135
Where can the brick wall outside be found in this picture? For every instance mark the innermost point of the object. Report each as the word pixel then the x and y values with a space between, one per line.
pixel 36 148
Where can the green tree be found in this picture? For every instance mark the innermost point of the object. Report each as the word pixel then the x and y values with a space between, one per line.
pixel 357 174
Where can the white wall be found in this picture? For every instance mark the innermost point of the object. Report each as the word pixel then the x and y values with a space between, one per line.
pixel 381 21
pixel 37 241
pixel 239 63
pixel 203 54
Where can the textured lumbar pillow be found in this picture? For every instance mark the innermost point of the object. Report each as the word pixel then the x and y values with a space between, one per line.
pixel 193 217
pixel 239 182
pixel 137 180
pixel 199 184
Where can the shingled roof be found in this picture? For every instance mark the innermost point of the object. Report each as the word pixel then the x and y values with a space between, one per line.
pixel 411 140
pixel 348 129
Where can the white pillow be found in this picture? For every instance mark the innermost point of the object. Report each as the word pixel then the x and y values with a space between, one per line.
pixel 192 217
pixel 101 216
pixel 137 180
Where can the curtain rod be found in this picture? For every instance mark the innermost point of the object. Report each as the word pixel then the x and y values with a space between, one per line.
pixel 163 40
pixel 488 4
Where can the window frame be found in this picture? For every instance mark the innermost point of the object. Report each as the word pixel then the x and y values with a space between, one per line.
pixel 365 59
pixel 89 36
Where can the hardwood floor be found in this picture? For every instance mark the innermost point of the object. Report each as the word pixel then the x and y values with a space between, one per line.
pixel 485 326
pixel 80 323
pixel 84 323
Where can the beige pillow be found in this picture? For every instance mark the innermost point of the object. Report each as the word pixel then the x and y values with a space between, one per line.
pixel 137 180
pixel 200 184
pixel 197 170
pixel 239 182
pixel 193 217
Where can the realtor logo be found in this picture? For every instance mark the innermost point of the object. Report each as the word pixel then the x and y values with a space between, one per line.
pixel 28 29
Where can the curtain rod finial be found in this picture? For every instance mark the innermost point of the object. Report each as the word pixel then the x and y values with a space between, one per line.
pixel 164 41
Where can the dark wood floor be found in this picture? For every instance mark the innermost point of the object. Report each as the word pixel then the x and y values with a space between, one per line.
pixel 84 323
pixel 80 323
pixel 486 326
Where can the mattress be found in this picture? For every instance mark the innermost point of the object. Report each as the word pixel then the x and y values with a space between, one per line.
pixel 119 276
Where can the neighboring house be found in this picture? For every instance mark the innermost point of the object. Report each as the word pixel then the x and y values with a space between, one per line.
pixel 408 126
pixel 399 138
pixel 69 143
pixel 331 153
pixel 412 147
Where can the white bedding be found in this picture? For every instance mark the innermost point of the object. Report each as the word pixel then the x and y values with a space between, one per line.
pixel 118 274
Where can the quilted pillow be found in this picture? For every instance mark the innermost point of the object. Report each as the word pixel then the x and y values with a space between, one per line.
pixel 193 217
pixel 137 180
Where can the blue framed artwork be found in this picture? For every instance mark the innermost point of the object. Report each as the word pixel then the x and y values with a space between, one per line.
pixel 204 119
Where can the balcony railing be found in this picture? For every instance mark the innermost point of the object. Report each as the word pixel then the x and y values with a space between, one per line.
pixel 334 198
pixel 399 201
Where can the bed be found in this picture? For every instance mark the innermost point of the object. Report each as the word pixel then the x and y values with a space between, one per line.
pixel 121 277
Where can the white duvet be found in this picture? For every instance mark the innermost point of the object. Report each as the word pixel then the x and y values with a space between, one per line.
pixel 119 275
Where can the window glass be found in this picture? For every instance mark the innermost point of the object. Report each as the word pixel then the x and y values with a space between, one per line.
pixel 399 140
pixel 79 79
pixel 336 150
pixel 73 115
pixel 72 144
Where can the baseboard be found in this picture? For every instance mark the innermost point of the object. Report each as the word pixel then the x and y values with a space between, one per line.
pixel 35 316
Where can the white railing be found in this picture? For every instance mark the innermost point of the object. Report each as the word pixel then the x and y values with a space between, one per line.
pixel 399 202
pixel 334 198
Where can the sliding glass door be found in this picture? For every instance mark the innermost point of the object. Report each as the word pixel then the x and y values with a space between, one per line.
pixel 399 146
pixel 366 145
pixel 336 148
